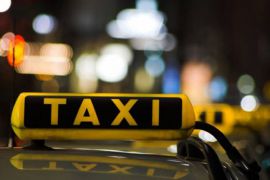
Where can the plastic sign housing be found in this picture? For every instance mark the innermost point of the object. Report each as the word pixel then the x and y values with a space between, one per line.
pixel 102 116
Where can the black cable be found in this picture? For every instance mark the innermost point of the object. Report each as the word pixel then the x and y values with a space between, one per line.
pixel 251 168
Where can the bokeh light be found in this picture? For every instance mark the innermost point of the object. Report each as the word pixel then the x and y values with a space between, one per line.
pixel 171 80
pixel 246 84
pixel 154 65
pixel 46 59
pixel 137 23
pixel 249 103
pixel 17 48
pixel 59 66
pixel 218 88
pixel 205 136
pixel 85 67
pixel 143 81
pixel 5 5
pixel 6 39
pixel 111 68
pixel 172 148
pixel 44 24
pixel 118 49
pixel 196 77
pixel 42 77
pixel 56 50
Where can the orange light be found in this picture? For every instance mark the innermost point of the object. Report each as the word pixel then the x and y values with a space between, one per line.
pixel 18 49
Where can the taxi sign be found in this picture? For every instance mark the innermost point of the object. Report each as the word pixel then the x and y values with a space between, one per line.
pixel 102 116
pixel 219 115
pixel 257 119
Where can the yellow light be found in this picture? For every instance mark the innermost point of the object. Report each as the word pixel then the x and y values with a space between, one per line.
pixel 42 77
pixel 143 81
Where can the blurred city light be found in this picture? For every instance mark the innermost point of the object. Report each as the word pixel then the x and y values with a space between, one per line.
pixel 86 77
pixel 143 81
pixel 166 43
pixel 59 66
pixel 196 77
pixel 56 50
pixel 171 80
pixel 5 5
pixel 249 103
pixel 132 23
pixel 118 50
pixel 87 85
pixel 6 39
pixel 246 84
pixel 42 77
pixel 154 65
pixel 205 136
pixel 47 59
pixel 172 148
pixel 44 24
pixel 18 48
pixel 144 22
pixel 111 68
pixel 218 88
pixel 86 67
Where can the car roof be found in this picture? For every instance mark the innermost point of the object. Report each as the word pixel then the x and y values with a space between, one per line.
pixel 95 164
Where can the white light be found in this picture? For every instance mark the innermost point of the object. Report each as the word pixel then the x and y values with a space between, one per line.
pixel 172 148
pixel 86 66
pixel 154 65
pixel 165 43
pixel 5 5
pixel 111 68
pixel 205 136
pixel 246 84
pixel 120 50
pixel 134 23
pixel 86 85
pixel 56 50
pixel 59 66
pixel 249 103
pixel 43 24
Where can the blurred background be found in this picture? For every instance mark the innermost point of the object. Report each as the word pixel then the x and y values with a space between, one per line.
pixel 214 51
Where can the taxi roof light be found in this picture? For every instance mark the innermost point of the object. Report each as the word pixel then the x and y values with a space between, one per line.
pixel 70 116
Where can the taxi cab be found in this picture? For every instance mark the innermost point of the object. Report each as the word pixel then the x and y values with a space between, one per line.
pixel 41 117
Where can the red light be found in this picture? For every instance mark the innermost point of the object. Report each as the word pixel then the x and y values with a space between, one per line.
pixel 19 51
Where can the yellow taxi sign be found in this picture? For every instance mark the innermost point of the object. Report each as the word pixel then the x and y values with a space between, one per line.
pixel 257 119
pixel 219 115
pixel 102 116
